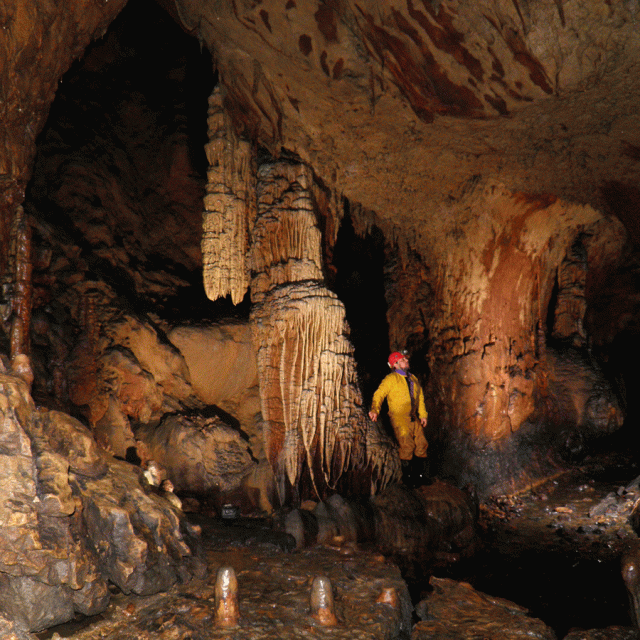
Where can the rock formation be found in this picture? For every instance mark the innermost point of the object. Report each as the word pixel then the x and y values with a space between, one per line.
pixel 311 401
pixel 493 147
pixel 75 520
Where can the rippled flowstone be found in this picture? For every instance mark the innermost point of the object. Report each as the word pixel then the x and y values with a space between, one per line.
pixel 456 611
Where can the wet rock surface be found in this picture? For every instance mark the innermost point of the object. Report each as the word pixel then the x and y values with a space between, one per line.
pixel 546 567
pixel 274 594
pixel 556 549
pixel 455 610
pixel 74 520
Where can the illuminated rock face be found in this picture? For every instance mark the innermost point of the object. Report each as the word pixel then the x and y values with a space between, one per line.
pixel 75 519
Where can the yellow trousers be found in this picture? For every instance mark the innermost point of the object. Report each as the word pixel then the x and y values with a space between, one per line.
pixel 410 437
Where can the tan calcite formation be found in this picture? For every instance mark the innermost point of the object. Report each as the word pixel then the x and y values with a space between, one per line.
pixel 311 402
pixel 122 372
pixel 223 371
pixel 493 302
pixel 229 206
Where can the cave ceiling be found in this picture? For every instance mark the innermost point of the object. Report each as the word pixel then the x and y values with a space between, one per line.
pixel 402 107
pixel 406 106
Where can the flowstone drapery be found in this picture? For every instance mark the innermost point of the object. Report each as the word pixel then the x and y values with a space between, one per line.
pixel 229 207
pixel 311 402
pixel 316 433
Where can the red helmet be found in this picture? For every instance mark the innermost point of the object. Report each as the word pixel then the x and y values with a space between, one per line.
pixel 394 357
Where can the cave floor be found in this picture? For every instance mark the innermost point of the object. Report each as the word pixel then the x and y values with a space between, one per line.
pixel 274 587
pixel 554 550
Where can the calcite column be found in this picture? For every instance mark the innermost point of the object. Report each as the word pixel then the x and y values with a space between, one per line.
pixel 492 288
pixel 571 302
pixel 311 402
pixel 20 285
pixel 229 206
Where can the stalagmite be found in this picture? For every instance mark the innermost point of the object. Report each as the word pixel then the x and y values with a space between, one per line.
pixel 226 598
pixel 322 602
pixel 571 302
pixel 229 207
pixel 390 597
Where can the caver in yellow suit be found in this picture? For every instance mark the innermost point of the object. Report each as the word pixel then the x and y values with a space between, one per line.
pixel 407 428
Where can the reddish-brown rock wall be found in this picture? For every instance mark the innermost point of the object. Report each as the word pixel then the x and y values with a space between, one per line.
pixel 38 45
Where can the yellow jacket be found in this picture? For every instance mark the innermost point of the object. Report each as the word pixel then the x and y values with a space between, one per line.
pixel 395 389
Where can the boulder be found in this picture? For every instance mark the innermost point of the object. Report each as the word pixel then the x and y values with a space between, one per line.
pixel 200 454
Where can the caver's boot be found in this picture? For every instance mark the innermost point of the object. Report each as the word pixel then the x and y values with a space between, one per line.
pixel 406 473
pixel 420 472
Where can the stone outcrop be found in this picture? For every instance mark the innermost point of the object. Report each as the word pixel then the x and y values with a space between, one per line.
pixel 457 610
pixel 223 371
pixel 430 525
pixel 74 520
pixel 122 372
pixel 199 454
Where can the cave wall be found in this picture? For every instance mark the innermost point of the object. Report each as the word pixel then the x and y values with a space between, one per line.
pixel 39 44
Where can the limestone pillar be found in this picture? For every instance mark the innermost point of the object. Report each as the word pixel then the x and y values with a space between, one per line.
pixel 491 283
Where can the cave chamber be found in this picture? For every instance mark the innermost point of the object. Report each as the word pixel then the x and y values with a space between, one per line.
pixel 218 219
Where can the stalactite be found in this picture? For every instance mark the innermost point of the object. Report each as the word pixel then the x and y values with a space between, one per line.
pixel 229 207
pixel 309 391
pixel 22 284
pixel 311 401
